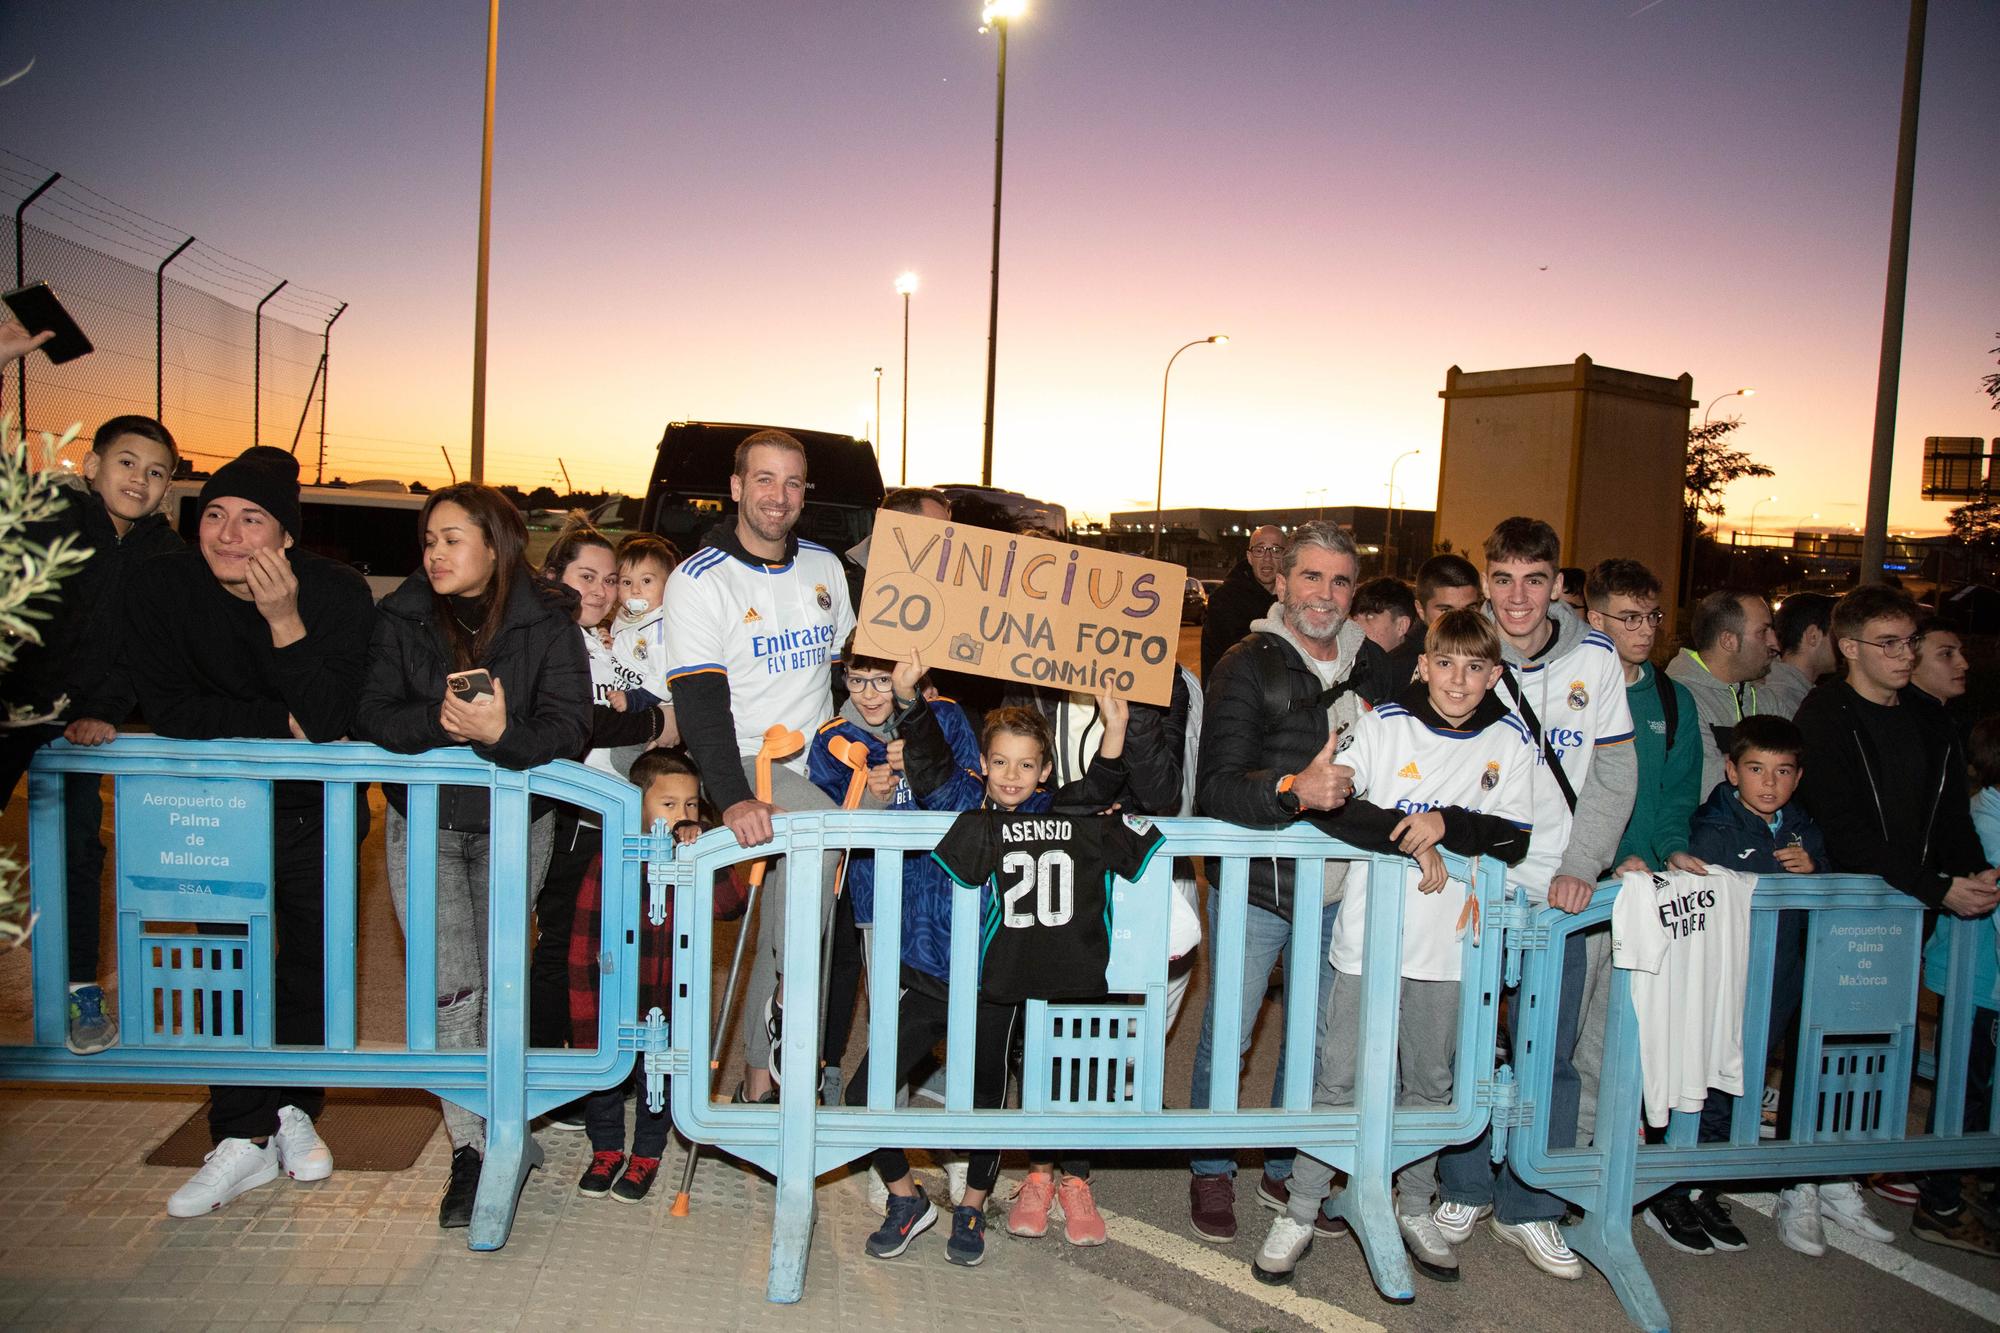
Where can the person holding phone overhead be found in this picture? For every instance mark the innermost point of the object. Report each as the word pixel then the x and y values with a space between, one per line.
pixel 248 635
pixel 474 650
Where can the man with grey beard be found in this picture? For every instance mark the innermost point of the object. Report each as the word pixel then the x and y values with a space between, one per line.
pixel 1277 705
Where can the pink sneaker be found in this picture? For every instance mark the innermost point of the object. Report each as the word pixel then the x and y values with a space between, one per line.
pixel 1030 1214
pixel 1082 1224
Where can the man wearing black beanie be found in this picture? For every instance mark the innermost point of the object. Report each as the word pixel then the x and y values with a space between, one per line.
pixel 248 635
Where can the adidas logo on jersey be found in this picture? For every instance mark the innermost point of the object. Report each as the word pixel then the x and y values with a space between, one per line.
pixel 751 617
pixel 1409 770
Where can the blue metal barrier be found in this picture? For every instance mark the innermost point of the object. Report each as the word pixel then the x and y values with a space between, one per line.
pixel 1856 1056
pixel 1122 1106
pixel 194 845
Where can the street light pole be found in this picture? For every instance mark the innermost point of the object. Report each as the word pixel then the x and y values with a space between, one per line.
pixel 995 16
pixel 1160 479
pixel 906 286
pixel 1753 514
pixel 1733 393
pixel 876 430
pixel 1390 562
pixel 485 249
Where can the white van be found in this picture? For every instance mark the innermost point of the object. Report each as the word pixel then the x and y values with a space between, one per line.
pixel 367 526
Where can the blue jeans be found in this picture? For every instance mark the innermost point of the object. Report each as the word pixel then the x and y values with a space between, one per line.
pixel 1466 1173
pixel 1265 937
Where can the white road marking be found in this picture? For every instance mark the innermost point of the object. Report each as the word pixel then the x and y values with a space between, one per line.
pixel 1226 1270
pixel 1946 1286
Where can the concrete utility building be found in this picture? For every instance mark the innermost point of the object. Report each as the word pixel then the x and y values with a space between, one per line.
pixel 1601 454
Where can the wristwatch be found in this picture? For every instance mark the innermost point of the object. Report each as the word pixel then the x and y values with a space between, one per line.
pixel 1288 800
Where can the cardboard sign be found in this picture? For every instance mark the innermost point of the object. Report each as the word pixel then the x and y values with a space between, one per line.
pixel 1021 609
pixel 194 849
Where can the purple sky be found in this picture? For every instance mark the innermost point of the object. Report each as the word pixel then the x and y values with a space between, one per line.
pixel 700 209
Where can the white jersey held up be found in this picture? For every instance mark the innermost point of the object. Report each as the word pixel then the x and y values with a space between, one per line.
pixel 1686 940
pixel 772 630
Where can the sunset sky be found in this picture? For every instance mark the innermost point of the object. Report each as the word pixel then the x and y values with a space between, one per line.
pixel 700 210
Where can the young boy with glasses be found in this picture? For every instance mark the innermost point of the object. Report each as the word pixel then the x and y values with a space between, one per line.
pixel 1884 782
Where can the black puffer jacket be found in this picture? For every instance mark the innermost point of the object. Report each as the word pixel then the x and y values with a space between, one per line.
pixel 538 658
pixel 1267 715
pixel 85 630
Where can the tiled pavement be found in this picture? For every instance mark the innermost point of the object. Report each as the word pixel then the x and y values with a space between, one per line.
pixel 85 1242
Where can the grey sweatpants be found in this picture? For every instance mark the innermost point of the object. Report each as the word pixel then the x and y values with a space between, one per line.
pixel 1589 1057
pixel 790 792
pixel 462 915
pixel 1426 1051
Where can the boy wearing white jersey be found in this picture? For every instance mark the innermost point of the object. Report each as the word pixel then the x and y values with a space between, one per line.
pixel 1448 755
pixel 1564 680
pixel 758 618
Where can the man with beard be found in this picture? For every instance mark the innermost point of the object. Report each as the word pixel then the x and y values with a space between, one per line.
pixel 1278 703
pixel 1731 644
pixel 1243 597
pixel 755 621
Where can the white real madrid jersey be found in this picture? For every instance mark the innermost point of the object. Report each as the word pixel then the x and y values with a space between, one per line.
pixel 1686 940
pixel 1403 762
pixel 772 630
pixel 1578 704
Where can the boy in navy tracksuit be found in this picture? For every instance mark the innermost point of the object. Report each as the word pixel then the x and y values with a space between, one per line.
pixel 1751 823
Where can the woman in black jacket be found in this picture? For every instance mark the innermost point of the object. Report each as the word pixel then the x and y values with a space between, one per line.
pixel 475 605
pixel 583 560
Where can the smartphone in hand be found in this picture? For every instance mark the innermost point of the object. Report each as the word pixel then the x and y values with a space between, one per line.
pixel 466 686
pixel 38 309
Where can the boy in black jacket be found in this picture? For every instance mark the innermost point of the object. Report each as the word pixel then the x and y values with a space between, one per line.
pixel 117 521
pixel 250 636
pixel 1884 781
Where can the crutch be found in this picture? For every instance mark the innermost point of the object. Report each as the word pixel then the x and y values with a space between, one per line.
pixel 779 740
pixel 854 755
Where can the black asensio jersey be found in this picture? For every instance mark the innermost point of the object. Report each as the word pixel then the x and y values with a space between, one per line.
pixel 1046 928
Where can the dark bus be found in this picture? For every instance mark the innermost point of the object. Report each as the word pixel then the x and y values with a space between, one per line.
pixel 689 490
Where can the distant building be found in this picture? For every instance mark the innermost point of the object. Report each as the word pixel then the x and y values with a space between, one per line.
pixel 1209 541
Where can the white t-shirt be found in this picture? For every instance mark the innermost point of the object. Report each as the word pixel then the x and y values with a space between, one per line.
pixel 1578 697
pixel 639 646
pixel 772 630
pixel 1399 760
pixel 1686 940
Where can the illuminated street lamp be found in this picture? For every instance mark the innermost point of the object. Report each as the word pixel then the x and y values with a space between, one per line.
pixel 906 286
pixel 1733 393
pixel 1160 480
pixel 994 17
pixel 1389 556
pixel 1753 514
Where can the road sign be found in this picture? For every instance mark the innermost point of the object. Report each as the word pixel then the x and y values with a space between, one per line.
pixel 1954 467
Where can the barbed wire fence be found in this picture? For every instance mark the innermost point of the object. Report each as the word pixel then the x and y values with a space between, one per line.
pixel 224 351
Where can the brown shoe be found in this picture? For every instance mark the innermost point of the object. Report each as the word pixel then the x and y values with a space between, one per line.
pixel 1961 1229
pixel 1274 1193
pixel 1212 1208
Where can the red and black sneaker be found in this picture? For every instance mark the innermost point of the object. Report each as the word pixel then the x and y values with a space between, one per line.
pixel 603 1170
pixel 638 1178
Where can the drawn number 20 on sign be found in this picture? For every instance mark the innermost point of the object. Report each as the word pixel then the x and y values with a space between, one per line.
pixel 911 611
pixel 1051 877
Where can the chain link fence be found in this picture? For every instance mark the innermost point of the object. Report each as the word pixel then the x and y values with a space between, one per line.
pixel 226 353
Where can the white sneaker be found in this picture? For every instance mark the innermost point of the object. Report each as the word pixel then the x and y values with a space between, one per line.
pixel 1798 1219
pixel 233 1167
pixel 1429 1250
pixel 1842 1205
pixel 1455 1221
pixel 955 1171
pixel 302 1153
pixel 1284 1245
pixel 1542 1242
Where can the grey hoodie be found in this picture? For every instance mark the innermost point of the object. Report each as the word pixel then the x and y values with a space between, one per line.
pixel 1720 706
pixel 1575 687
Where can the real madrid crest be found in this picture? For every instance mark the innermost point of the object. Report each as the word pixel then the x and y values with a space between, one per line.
pixel 1579 697
pixel 639 650
pixel 1491 777
pixel 825 598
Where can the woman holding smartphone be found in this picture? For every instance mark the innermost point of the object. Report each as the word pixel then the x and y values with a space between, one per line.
pixel 474 650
